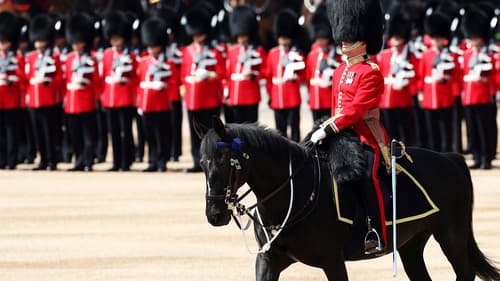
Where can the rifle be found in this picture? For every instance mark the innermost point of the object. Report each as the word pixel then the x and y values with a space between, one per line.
pixel 292 62
pixel 7 66
pixel 479 65
pixel 159 70
pixel 80 68
pixel 122 64
pixel 442 64
pixel 248 59
pixel 402 70
pixel 44 65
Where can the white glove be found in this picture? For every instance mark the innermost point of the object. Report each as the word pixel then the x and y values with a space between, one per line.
pixel 318 135
pixel 201 74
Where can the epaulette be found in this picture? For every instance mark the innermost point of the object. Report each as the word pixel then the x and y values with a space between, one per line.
pixel 373 65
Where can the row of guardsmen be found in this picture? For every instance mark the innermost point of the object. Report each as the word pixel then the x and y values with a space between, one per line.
pixel 428 81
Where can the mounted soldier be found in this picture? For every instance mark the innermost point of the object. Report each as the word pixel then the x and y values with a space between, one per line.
pixel 358 86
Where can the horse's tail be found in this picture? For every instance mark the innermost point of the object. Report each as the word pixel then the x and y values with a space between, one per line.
pixel 482 265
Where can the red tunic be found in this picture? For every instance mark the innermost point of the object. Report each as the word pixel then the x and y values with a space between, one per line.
pixel 437 94
pixel 394 96
pixel 119 79
pixel 319 78
pixel 82 84
pixel 44 79
pixel 202 93
pixel 284 91
pixel 156 78
pixel 477 92
pixel 12 81
pixel 243 80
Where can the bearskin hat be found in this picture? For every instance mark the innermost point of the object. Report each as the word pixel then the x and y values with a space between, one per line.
pixel 198 21
pixel 398 25
pixel 476 23
pixel 286 24
pixel 116 23
pixel 437 24
pixel 357 20
pixel 170 17
pixel 243 21
pixel 9 27
pixel 42 28
pixel 24 26
pixel 154 32
pixel 320 26
pixel 80 28
pixel 59 25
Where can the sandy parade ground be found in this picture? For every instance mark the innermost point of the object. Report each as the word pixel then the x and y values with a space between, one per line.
pixel 151 227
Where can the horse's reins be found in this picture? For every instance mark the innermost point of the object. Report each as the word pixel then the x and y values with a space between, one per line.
pixel 232 199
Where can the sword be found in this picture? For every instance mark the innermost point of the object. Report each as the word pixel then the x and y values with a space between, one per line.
pixel 394 232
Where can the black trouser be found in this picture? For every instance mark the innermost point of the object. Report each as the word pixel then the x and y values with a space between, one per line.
pixel 493 128
pixel 58 131
pixel 120 129
pixel 479 127
pixel 44 121
pixel 176 118
pixel 439 128
pixel 320 113
pixel 8 137
pixel 399 124
pixel 83 130
pixel 228 113
pixel 158 134
pixel 244 113
pixel 457 126
pixel 288 117
pixel 199 118
pixel 25 139
pixel 102 135
pixel 139 145
pixel 420 126
pixel 66 143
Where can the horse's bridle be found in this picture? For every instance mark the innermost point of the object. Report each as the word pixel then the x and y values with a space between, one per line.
pixel 232 200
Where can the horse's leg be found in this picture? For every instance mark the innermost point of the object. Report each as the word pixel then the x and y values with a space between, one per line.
pixel 268 266
pixel 412 256
pixel 454 246
pixel 336 271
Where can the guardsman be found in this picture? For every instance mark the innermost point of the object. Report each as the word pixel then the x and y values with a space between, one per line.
pixel 26 139
pixel 358 84
pixel 44 81
pixel 398 65
pixel 61 48
pixel 285 72
pixel 479 87
pixel 156 77
pixel 82 90
pixel 245 65
pixel 11 89
pixel 174 54
pixel 320 65
pixel 119 82
pixel 202 72
pixel 438 74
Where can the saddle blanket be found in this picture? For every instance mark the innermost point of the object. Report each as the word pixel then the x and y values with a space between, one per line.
pixel 412 200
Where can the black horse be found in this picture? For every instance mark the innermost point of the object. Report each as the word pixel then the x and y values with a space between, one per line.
pixel 233 155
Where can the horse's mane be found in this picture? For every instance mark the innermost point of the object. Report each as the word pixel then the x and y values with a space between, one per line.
pixel 256 137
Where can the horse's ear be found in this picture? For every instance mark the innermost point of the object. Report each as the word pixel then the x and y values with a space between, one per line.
pixel 219 127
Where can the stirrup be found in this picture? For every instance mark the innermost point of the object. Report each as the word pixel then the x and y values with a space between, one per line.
pixel 372 246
